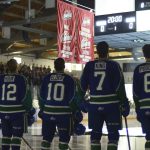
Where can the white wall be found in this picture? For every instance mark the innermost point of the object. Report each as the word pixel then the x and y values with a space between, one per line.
pixel 30 61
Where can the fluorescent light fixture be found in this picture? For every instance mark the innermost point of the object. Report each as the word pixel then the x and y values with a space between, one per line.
pixel 138 40
pixel 101 23
pixel 122 58
pixel 130 19
pixel 18 59
pixel 18 52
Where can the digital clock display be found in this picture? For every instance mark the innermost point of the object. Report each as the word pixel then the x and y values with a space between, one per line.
pixel 142 5
pixel 115 23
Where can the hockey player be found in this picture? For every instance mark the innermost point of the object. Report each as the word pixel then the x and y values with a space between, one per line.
pixel 104 80
pixel 15 100
pixel 141 94
pixel 56 95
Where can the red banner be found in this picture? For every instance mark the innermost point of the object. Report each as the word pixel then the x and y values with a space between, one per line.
pixel 66 25
pixel 85 36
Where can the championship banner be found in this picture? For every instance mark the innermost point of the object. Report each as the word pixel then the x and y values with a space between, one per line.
pixel 85 36
pixel 66 25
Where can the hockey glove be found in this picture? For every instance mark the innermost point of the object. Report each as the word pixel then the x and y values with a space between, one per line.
pixel 31 117
pixel 138 114
pixel 125 109
pixel 84 106
pixel 79 129
pixel 31 120
pixel 78 117
pixel 40 114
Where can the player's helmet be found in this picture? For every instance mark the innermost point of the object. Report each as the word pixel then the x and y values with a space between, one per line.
pixel 12 65
pixel 102 49
pixel 146 50
pixel 59 64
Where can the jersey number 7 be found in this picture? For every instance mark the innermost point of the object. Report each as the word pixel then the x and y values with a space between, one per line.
pixel 102 75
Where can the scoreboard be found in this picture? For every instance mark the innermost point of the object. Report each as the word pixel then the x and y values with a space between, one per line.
pixel 115 23
pixel 142 5
pixel 121 16
pixel 105 7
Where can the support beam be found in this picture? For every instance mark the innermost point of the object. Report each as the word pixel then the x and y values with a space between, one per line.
pixel 33 30
pixel 13 15
pixel 28 50
pixel 37 1
pixel 33 21
pixel 19 6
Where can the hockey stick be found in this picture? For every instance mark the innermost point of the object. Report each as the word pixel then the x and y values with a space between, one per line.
pixel 127 133
pixel 24 140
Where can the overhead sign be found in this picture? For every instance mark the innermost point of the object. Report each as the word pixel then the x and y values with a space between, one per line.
pixel 75 33
pixel 66 31
pixel 85 36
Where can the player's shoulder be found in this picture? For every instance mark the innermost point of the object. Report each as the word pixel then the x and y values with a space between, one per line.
pixel 16 75
pixel 113 62
pixel 91 63
pixel 69 76
pixel 142 66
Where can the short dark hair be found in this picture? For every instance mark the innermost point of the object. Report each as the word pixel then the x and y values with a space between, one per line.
pixel 12 65
pixel 59 64
pixel 102 49
pixel 146 50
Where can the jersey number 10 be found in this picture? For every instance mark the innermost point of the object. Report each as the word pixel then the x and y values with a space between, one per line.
pixel 57 87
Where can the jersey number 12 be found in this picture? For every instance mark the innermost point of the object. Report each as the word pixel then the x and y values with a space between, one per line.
pixel 8 92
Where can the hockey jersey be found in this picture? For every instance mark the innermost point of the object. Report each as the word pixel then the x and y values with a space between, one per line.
pixel 141 86
pixel 57 91
pixel 105 82
pixel 15 96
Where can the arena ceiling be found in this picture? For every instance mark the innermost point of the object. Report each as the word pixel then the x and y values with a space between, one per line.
pixel 33 32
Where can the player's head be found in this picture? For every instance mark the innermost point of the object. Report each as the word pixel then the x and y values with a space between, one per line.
pixel 146 50
pixel 12 65
pixel 102 49
pixel 59 64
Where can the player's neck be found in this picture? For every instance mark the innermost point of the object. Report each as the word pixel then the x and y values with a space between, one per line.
pixel 61 71
pixel 105 58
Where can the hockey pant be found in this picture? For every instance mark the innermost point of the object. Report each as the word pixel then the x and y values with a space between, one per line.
pixel 96 118
pixel 63 123
pixel 145 123
pixel 12 131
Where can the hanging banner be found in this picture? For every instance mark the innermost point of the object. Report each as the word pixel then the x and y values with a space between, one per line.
pixel 85 36
pixel 66 25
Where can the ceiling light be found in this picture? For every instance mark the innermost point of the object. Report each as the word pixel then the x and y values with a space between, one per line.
pixel 138 40
pixel 8 1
